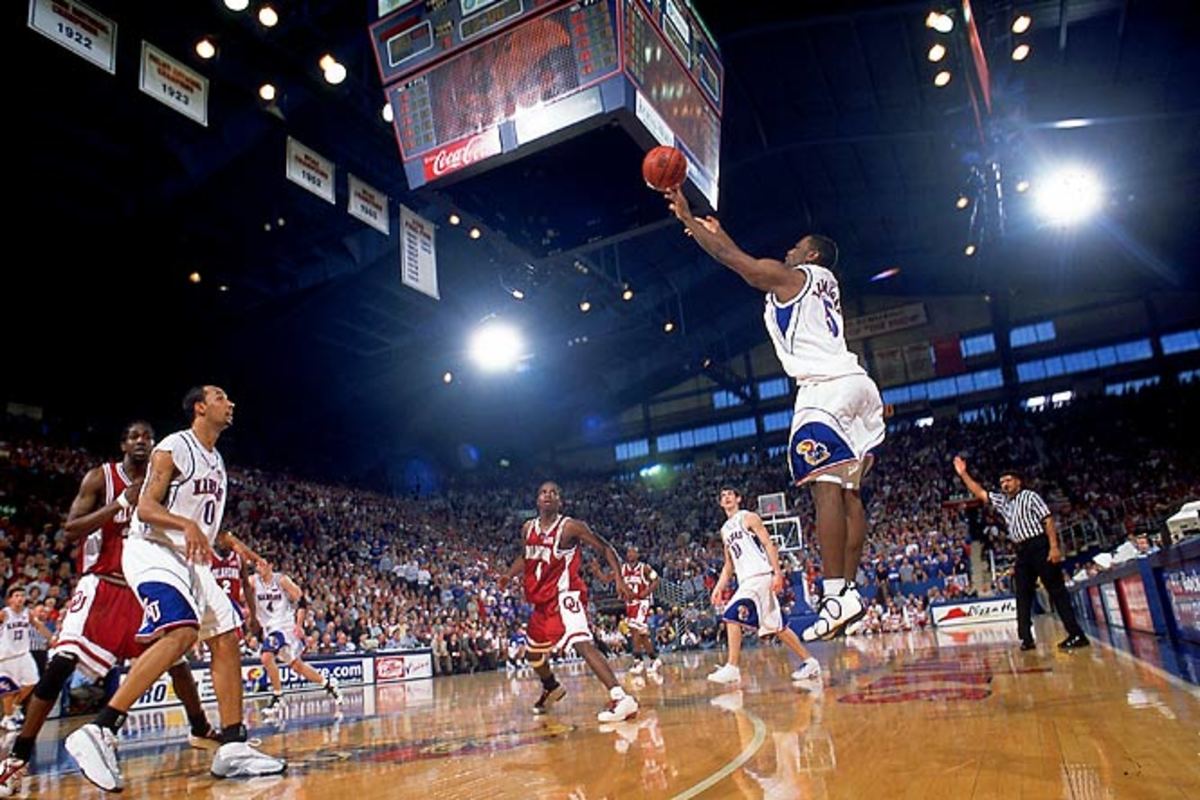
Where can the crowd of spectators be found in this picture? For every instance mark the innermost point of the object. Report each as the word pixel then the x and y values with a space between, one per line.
pixel 382 572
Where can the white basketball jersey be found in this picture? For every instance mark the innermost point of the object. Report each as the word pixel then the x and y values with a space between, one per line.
pixel 272 606
pixel 197 492
pixel 748 554
pixel 14 636
pixel 808 332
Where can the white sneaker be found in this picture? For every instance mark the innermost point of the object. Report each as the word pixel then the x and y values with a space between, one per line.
pixel 240 760
pixel 637 668
pixel 810 669
pixel 95 751
pixel 855 628
pixel 656 665
pixel 726 673
pixel 334 690
pixel 619 710
pixel 12 773
pixel 10 723
pixel 836 612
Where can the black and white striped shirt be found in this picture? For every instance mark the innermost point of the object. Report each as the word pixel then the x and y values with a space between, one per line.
pixel 1023 514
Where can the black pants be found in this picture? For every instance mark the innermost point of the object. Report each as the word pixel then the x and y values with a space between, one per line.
pixel 1032 564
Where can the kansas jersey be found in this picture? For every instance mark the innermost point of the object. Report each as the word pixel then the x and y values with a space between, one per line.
pixel 100 552
pixel 808 332
pixel 272 606
pixel 748 554
pixel 14 634
pixel 197 491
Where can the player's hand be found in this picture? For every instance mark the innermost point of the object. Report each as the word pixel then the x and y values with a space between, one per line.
pixel 716 599
pixel 132 491
pixel 777 583
pixel 198 550
pixel 710 224
pixel 1055 556
pixel 960 465
pixel 623 590
pixel 678 205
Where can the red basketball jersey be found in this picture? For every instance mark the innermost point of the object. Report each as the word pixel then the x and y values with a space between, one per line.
pixel 228 572
pixel 100 551
pixel 637 577
pixel 550 570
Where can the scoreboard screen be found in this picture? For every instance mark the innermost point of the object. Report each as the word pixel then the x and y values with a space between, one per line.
pixel 519 70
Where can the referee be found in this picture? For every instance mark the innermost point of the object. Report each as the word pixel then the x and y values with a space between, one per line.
pixel 1031 528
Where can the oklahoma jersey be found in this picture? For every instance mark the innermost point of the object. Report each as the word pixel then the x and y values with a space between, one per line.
pixel 638 578
pixel 808 331
pixel 549 569
pixel 100 552
pixel 198 492
pixel 748 554
pixel 227 569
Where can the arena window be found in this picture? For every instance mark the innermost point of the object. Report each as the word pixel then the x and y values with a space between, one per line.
pixel 1135 385
pixel 773 387
pixel 969 383
pixel 1180 341
pixel 724 399
pixel 1034 333
pixel 633 449
pixel 1084 360
pixel 777 421
pixel 978 345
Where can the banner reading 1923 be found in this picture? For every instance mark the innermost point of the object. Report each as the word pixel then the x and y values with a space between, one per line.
pixel 174 84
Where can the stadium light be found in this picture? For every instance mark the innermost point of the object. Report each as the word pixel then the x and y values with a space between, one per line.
pixel 266 92
pixel 1068 196
pixel 1022 23
pixel 942 78
pixel 1022 186
pixel 205 48
pixel 387 113
pixel 627 294
pixel 668 326
pixel 495 346
pixel 237 5
pixel 1020 52
pixel 937 52
pixel 969 250
pixel 447 377
pixel 585 305
pixel 268 16
pixel 962 202
pixel 942 23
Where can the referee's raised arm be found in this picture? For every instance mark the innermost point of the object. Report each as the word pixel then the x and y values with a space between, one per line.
pixel 960 466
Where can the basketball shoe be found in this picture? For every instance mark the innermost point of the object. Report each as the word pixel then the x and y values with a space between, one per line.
pixel 621 706
pixel 836 611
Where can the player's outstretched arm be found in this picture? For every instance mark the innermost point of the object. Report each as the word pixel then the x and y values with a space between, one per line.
pixel 765 274
pixel 960 466
pixel 579 531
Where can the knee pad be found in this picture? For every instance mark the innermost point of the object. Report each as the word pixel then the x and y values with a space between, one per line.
pixel 57 673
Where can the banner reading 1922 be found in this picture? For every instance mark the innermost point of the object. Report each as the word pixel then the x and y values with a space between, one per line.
pixel 174 84
pixel 78 28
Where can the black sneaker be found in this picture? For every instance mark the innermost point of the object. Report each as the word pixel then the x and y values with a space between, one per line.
pixel 1074 642
pixel 1028 646
pixel 549 697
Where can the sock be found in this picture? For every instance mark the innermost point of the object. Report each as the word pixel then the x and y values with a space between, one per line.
pixel 23 748
pixel 549 682
pixel 833 586
pixel 110 718
pixel 233 733
pixel 199 723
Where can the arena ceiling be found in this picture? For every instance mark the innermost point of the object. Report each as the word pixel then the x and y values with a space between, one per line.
pixel 832 123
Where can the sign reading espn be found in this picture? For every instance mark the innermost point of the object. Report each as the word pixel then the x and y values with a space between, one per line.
pixel 1002 609
pixel 461 154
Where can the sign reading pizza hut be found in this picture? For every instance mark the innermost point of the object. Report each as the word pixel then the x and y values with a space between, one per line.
pixel 974 612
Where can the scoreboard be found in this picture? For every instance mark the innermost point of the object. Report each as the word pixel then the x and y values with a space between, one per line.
pixel 476 83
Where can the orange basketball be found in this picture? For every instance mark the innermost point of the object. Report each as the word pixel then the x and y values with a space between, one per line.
pixel 664 168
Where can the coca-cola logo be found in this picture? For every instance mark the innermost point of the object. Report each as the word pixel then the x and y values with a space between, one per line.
pixel 462 154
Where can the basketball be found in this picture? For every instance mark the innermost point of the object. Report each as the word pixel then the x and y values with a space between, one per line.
pixel 664 168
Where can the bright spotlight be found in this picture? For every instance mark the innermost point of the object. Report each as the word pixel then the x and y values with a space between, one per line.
pixel 668 326
pixel 1022 186
pixel 205 48
pixel 627 295
pixel 969 250
pixel 1068 196
pixel 387 113
pixel 518 294
pixel 475 233
pixel 962 202
pixel 237 5
pixel 942 78
pixel 585 306
pixel 1022 23
pixel 1020 52
pixel 266 92
pixel 942 23
pixel 495 346
pixel 268 17
pixel 447 377
pixel 937 52
pixel 335 74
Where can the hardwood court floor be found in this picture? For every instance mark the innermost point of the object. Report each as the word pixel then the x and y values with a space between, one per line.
pixel 901 716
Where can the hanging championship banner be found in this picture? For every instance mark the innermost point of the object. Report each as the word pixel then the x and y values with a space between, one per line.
pixel 889 366
pixel 174 84
pixel 893 319
pixel 310 170
pixel 369 205
pixel 77 28
pixel 418 259
pixel 918 360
